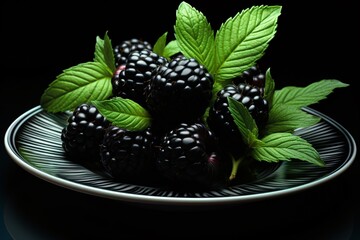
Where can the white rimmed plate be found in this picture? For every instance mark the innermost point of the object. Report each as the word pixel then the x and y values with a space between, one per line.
pixel 33 142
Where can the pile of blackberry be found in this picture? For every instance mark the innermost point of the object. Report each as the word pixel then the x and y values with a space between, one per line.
pixel 181 149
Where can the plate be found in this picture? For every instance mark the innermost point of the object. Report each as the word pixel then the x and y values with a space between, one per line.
pixel 33 142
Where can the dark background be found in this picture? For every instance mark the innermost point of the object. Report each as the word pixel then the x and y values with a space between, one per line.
pixel 39 40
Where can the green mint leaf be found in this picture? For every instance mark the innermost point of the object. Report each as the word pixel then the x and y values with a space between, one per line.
pixel 79 84
pixel 109 53
pixel 99 51
pixel 303 96
pixel 124 113
pixel 171 49
pixel 242 40
pixel 104 53
pixel 194 35
pixel 160 44
pixel 285 147
pixel 244 121
pixel 269 88
pixel 283 118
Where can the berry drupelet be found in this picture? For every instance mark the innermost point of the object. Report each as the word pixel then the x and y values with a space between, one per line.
pixel 82 136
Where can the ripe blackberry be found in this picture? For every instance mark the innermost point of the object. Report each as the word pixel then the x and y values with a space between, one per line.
pixel 129 80
pixel 127 155
pixel 253 76
pixel 82 136
pixel 189 158
pixel 221 121
pixel 179 91
pixel 123 49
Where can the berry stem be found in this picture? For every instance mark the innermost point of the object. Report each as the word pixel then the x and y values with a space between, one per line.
pixel 235 167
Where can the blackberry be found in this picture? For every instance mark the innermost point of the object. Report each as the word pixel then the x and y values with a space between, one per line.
pixel 189 158
pixel 123 49
pixel 82 136
pixel 221 121
pixel 253 76
pixel 129 80
pixel 179 91
pixel 127 155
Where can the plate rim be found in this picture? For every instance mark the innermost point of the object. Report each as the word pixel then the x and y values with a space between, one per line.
pixel 188 201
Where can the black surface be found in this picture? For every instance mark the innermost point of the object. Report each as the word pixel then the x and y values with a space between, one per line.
pixel 313 42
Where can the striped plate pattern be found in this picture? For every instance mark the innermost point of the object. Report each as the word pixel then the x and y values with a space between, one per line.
pixel 33 141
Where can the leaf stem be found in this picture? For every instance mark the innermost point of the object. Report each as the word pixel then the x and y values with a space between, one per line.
pixel 235 167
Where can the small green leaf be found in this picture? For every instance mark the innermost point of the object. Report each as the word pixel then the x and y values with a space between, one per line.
pixel 99 51
pixel 303 96
pixel 109 53
pixel 242 40
pixel 104 53
pixel 160 44
pixel 79 84
pixel 124 113
pixel 269 88
pixel 244 121
pixel 286 119
pixel 285 147
pixel 171 49
pixel 194 35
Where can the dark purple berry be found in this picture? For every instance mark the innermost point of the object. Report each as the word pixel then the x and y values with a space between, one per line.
pixel 82 136
pixel 130 79
pixel 127 155
pixel 189 158
pixel 179 91
pixel 253 76
pixel 123 49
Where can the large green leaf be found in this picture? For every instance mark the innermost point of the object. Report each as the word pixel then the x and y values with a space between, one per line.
pixel 194 35
pixel 124 113
pixel 242 40
pixel 303 96
pixel 285 147
pixel 79 84
pixel 283 118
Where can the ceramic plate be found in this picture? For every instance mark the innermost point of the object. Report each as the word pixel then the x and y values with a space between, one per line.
pixel 33 142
